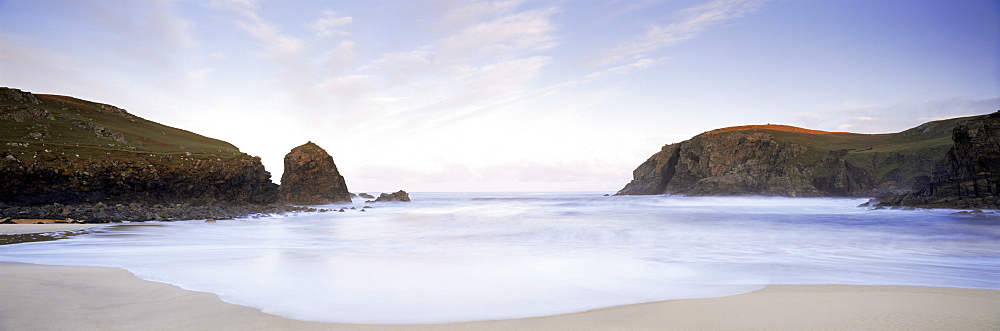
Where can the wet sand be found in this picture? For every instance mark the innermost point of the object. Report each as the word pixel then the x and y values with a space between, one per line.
pixel 61 297
pixel 30 232
pixel 42 228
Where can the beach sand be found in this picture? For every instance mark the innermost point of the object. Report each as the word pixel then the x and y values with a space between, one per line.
pixel 42 228
pixel 60 297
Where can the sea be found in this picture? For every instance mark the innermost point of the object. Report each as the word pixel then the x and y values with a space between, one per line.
pixel 449 257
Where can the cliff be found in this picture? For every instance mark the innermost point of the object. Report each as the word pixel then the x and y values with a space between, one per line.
pixel 311 177
pixel 782 160
pixel 58 149
pixel 969 175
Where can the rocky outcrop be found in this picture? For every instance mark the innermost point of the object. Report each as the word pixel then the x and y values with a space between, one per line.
pixel 969 177
pixel 50 177
pixel 732 163
pixel 81 152
pixel 311 177
pixel 397 196
pixel 137 212
pixel 781 160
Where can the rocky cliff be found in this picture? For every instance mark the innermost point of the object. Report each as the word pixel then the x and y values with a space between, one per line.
pixel 969 176
pixel 788 161
pixel 58 149
pixel 311 177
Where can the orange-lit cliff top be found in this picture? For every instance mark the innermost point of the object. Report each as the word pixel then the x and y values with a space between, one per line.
pixel 776 127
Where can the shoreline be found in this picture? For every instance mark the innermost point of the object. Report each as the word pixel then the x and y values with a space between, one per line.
pixel 31 232
pixel 49 226
pixel 59 297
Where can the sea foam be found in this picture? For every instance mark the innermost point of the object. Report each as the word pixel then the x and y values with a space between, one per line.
pixel 450 257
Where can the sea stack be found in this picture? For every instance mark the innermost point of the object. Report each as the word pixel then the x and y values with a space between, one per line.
pixel 311 177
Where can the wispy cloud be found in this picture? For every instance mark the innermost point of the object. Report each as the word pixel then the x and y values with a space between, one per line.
pixel 331 24
pixel 886 119
pixel 279 45
pixel 693 21
pixel 507 35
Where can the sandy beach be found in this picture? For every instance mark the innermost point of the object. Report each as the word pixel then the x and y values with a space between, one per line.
pixel 42 228
pixel 61 297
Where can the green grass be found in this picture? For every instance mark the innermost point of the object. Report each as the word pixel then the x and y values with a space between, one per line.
pixel 71 134
pixel 908 153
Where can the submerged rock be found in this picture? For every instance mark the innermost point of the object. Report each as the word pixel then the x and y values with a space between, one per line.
pixel 311 177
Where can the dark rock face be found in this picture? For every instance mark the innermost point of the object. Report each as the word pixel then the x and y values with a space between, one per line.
pixel 970 175
pixel 311 177
pixel 53 178
pixel 397 196
pixel 731 163
pixel 139 212
pixel 786 161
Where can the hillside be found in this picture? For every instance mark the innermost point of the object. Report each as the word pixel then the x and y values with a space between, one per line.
pixel 788 161
pixel 59 149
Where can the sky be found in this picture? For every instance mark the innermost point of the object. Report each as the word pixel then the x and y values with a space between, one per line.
pixel 510 95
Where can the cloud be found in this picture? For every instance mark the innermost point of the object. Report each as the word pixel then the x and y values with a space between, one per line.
pixel 456 14
pixel 343 56
pixel 199 74
pixel 400 67
pixel 513 175
pixel 886 119
pixel 694 21
pixel 330 24
pixel 279 45
pixel 43 70
pixel 510 34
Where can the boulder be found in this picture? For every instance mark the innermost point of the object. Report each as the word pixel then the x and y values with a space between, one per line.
pixel 311 177
pixel 398 196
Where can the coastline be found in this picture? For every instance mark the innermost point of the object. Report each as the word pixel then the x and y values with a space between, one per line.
pixel 59 297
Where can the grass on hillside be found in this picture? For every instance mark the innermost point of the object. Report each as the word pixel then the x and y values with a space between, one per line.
pixel 91 130
pixel 876 153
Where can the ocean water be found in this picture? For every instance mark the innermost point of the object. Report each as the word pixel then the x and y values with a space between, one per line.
pixel 450 257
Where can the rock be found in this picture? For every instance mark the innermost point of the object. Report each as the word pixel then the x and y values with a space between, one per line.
pixel 15 95
pixel 311 177
pixel 366 195
pixel 397 196
pixel 969 177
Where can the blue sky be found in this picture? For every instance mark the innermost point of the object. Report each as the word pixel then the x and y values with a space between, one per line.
pixel 518 95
